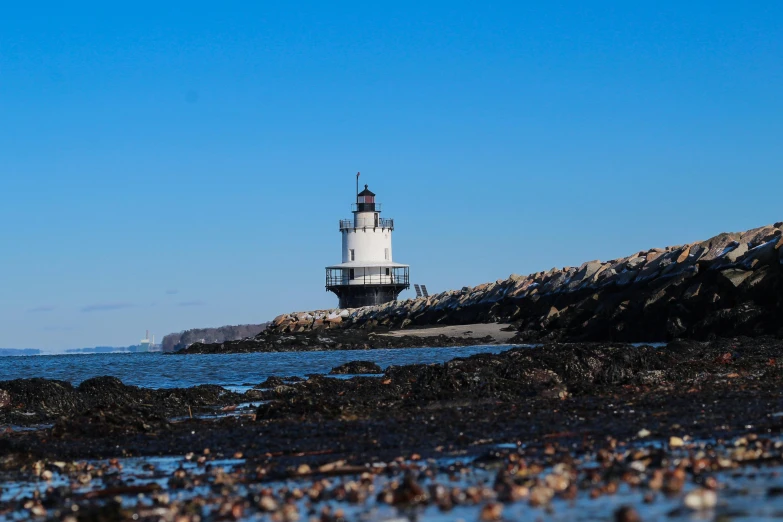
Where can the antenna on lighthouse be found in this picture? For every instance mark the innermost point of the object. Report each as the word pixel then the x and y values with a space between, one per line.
pixel 357 186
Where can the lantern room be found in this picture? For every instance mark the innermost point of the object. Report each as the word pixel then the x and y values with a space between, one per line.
pixel 365 201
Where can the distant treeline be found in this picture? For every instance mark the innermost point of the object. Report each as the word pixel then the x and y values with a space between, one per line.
pixel 178 341
pixel 19 351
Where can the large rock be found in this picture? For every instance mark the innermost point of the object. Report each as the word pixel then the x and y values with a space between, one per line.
pixel 735 276
pixel 719 245
pixel 737 253
pixel 635 262
pixel 356 368
pixel 764 253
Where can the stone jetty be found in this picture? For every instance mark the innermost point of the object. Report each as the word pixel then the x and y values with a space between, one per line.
pixel 731 284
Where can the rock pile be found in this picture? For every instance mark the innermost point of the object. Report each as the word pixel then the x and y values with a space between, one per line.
pixel 356 367
pixel 102 400
pixel 730 284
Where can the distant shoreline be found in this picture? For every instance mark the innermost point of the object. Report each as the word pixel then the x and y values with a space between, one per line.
pixel 28 352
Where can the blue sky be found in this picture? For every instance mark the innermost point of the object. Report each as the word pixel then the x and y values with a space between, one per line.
pixel 175 165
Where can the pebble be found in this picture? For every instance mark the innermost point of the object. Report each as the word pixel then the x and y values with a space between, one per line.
pixel 626 514
pixel 491 512
pixel 700 499
pixel 540 496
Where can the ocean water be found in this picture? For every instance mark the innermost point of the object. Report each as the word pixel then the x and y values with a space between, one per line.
pixel 237 371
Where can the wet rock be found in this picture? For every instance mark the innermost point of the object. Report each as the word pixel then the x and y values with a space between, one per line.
pixel 43 394
pixel 735 276
pixel 719 245
pixel 356 367
pixel 555 392
pixel 700 499
pixel 542 377
pixel 737 253
pixel 274 382
pixel 775 491
pixel 635 262
pixel 111 423
pixel 676 442
pixel 491 512
pixel 541 496
pixel 5 399
pixel 626 514
pixel 38 400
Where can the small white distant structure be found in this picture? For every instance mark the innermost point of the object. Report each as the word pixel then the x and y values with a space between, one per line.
pixel 147 344
pixel 368 275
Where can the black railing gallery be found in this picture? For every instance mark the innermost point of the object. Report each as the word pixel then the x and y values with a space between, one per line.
pixel 347 224
pixel 376 275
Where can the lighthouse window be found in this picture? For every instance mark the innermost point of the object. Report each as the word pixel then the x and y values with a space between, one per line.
pixel 387 271
pixel 386 256
pixel 353 257
pixel 352 274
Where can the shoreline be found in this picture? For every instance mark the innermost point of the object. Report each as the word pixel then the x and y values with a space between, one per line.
pixel 500 333
pixel 563 371
pixel 355 339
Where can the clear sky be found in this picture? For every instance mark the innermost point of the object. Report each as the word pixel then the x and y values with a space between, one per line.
pixel 173 165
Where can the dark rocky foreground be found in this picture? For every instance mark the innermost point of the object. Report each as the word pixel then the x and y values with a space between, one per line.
pixel 729 285
pixel 572 420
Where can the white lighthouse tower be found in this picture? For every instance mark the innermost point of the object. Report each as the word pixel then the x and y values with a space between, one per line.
pixel 368 275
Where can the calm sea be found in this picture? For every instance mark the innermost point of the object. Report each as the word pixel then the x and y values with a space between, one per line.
pixel 155 370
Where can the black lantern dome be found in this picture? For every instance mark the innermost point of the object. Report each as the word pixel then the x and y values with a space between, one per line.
pixel 365 201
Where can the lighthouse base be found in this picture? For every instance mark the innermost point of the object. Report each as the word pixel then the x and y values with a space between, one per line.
pixel 356 296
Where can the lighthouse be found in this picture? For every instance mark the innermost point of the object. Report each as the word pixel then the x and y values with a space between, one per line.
pixel 368 275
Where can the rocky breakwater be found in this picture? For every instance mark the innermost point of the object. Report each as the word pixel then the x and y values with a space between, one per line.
pixel 731 284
